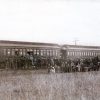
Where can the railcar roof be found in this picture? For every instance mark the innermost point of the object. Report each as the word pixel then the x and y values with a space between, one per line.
pixel 27 43
pixel 79 46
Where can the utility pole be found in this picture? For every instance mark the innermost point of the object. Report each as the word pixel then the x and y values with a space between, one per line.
pixel 75 41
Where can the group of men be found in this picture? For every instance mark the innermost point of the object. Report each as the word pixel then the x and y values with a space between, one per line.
pixel 75 65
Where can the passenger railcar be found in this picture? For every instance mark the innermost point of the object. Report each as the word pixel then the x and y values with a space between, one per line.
pixel 47 50
pixel 79 51
pixel 12 48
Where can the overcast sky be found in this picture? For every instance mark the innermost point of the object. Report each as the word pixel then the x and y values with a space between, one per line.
pixel 55 21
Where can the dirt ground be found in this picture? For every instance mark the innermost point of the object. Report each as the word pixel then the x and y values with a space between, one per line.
pixel 29 85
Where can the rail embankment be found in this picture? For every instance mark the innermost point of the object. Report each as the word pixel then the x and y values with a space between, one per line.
pixel 67 86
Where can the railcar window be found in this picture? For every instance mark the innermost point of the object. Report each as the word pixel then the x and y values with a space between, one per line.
pixel 8 51
pixel 68 53
pixel 4 51
pixel 53 52
pixel 95 53
pixel 34 51
pixel 20 52
pixel 73 53
pixel 50 52
pixel 92 54
pixel 56 52
pixel 24 53
pixel 82 53
pixel 88 53
pixel 41 52
pixel 28 50
pixel 76 52
pixel 37 52
pixel 85 53
pixel 13 52
pixel 98 53
pixel 47 52
pixel 16 52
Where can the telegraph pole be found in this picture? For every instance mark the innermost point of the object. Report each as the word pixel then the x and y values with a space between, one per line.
pixel 75 41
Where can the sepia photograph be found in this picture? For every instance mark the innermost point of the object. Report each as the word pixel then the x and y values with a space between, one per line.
pixel 49 50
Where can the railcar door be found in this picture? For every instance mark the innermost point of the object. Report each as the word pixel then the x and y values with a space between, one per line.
pixel 63 54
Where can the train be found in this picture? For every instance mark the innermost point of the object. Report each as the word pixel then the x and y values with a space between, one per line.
pixel 30 55
pixel 47 50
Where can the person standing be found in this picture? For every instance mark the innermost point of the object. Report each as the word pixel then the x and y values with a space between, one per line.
pixel 78 67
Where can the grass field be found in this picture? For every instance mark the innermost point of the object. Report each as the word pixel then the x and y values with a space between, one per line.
pixel 29 85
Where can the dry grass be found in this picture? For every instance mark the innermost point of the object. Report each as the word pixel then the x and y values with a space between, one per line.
pixel 25 85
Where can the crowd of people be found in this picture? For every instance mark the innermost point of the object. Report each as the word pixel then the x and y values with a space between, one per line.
pixel 77 65
pixel 53 65
pixel 67 65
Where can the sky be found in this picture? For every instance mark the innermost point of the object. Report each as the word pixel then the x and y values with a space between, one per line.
pixel 54 21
